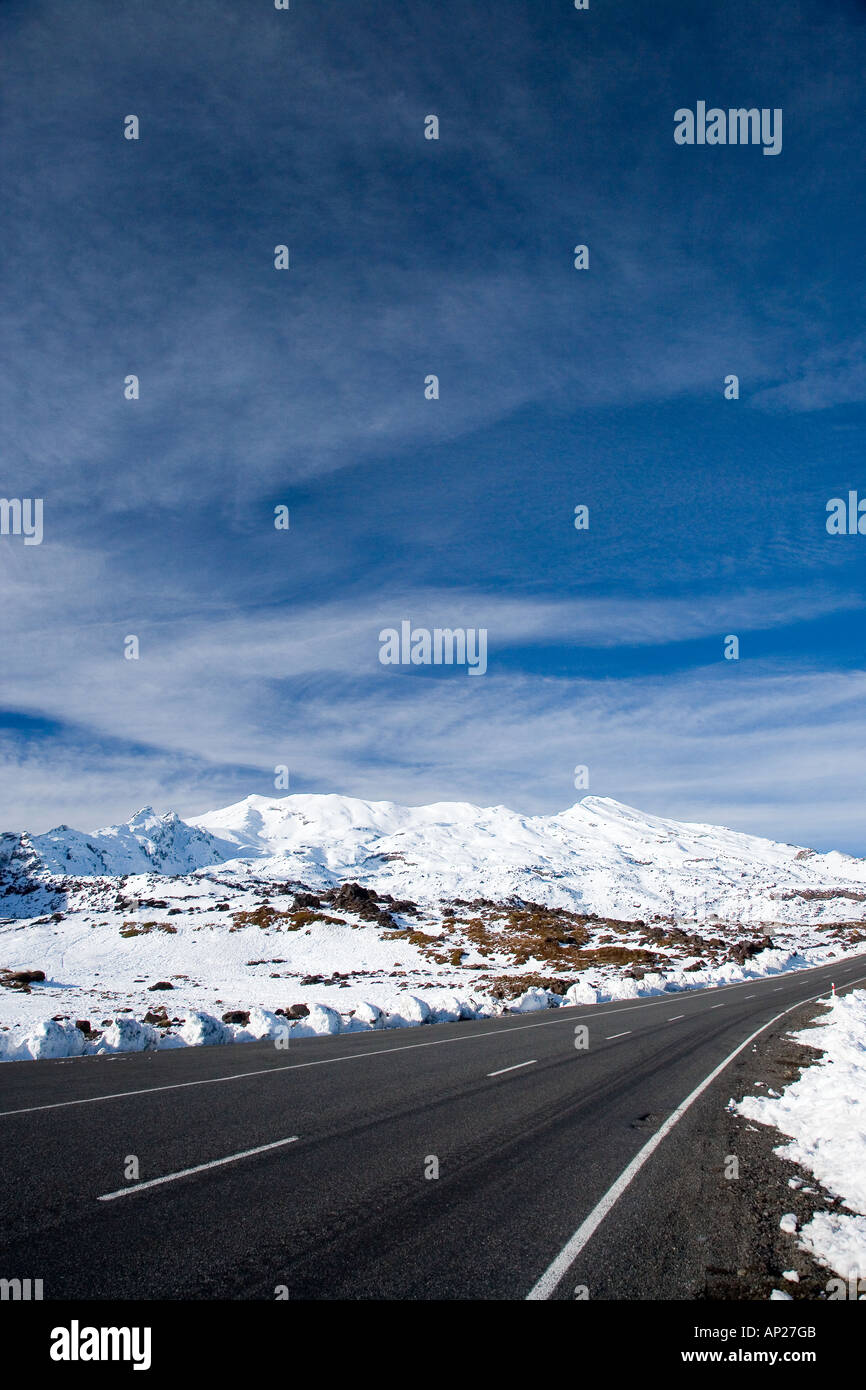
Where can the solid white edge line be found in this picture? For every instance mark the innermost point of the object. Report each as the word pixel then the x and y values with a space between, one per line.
pixel 558 1268
pixel 199 1168
pixel 610 1037
pixel 651 1003
pixel 516 1067
pixel 324 1061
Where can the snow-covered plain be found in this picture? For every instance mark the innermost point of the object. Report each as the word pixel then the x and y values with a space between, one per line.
pixel 462 911
pixel 824 1112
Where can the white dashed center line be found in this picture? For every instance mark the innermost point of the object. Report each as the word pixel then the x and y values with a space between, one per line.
pixel 199 1168
pixel 516 1067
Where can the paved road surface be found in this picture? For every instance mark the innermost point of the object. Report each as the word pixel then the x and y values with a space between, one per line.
pixel 530 1134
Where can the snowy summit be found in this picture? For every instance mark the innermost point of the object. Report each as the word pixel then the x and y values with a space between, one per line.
pixel 328 913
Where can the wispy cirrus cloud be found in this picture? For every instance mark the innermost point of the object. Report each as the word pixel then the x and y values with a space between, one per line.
pixel 557 386
pixel 771 751
pixel 216 702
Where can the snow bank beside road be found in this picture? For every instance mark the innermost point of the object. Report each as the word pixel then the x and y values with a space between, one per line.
pixel 58 1038
pixel 824 1112
pixel 52 1038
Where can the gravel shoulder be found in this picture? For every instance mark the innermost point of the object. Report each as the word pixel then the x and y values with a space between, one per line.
pixel 749 1250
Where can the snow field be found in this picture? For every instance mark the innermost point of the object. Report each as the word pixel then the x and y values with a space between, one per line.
pixel 824 1113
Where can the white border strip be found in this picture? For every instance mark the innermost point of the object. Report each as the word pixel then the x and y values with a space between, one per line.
pixel 569 1011
pixel 589 1011
pixel 556 1271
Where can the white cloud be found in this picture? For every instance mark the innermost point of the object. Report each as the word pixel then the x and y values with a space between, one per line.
pixel 777 752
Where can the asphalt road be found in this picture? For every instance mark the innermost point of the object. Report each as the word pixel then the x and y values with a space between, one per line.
pixel 531 1135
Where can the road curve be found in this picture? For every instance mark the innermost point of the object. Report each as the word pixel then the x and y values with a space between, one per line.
pixel 309 1173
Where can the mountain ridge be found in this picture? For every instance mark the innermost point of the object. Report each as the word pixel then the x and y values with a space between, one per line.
pixel 598 855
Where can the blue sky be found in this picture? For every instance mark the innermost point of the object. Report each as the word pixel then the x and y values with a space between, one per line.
pixel 707 517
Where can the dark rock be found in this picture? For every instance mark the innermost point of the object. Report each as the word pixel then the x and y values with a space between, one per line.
pixel 362 902
pixel 26 977
pixel 742 951
pixel 351 897
pixel 237 1016
pixel 305 900
pixel 161 984
pixel 404 905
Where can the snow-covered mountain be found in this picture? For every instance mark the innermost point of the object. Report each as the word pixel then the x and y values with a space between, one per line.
pixel 341 914
pixel 147 843
pixel 598 856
